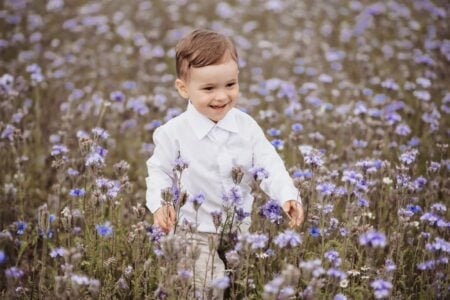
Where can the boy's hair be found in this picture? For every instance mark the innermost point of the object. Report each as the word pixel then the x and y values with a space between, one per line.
pixel 202 48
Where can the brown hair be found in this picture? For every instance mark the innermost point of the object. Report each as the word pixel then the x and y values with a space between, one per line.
pixel 202 48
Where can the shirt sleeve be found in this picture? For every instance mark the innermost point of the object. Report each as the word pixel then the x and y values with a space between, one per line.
pixel 279 185
pixel 159 167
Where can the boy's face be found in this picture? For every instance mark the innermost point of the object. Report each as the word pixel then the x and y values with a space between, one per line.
pixel 212 89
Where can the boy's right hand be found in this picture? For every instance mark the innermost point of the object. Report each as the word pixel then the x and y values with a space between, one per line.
pixel 165 217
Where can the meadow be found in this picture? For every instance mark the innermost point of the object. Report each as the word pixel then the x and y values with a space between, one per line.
pixel 354 95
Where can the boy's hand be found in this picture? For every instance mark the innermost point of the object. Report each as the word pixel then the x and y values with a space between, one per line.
pixel 294 210
pixel 165 217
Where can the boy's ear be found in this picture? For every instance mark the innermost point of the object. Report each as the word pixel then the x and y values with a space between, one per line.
pixel 181 88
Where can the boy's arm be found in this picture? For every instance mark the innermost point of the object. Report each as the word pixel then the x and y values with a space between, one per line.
pixel 279 184
pixel 159 177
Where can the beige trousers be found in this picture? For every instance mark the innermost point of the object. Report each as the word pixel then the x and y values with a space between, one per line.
pixel 208 266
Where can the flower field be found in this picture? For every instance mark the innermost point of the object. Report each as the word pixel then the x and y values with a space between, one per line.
pixel 354 95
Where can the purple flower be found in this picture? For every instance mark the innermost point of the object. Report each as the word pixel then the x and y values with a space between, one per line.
pixel 297 127
pixel 58 149
pixel 325 188
pixel 77 192
pixel 14 272
pixel 221 283
pixel 409 156
pixel 272 211
pixel 72 172
pixel 336 273
pixel 8 132
pixel 180 164
pixel 94 159
pixel 360 143
pixel 363 202
pixel 273 132
pixel 117 96
pixel 241 214
pixel 438 245
pixel 100 132
pixel 302 173
pixel 402 129
pixel 340 297
pixel 288 238
pixel 256 241
pixel 438 207
pixel 259 173
pixel 381 288
pixel 351 176
pixel 413 208
pixel 197 200
pixel 313 158
pixel 233 197
pixel 58 251
pixel 155 233
pixel 419 183
pixel 430 218
pixel 373 238
pixel 104 229
pixel 184 274
pixel 333 257
pixel 389 265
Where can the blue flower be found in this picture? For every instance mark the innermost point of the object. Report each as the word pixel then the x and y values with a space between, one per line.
pixel 314 231
pixel 104 229
pixel 302 173
pixel 278 144
pixel 2 256
pixel 297 127
pixel 274 132
pixel 77 192
pixel 21 226
pixel 413 208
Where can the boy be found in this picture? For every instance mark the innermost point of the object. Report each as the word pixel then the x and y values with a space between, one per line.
pixel 212 136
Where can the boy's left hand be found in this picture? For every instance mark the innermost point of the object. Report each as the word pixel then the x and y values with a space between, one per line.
pixel 294 210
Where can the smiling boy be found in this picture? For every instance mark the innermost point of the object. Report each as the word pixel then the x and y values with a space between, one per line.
pixel 214 137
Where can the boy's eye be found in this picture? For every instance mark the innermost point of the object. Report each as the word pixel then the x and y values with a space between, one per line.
pixel 208 88
pixel 231 84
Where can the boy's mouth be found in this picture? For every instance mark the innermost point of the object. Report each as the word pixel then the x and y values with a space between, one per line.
pixel 218 106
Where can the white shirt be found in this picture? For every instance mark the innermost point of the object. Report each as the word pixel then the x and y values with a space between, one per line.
pixel 212 149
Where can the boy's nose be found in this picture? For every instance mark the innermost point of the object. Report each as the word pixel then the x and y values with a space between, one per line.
pixel 221 95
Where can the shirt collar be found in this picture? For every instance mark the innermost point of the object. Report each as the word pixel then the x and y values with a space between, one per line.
pixel 202 125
